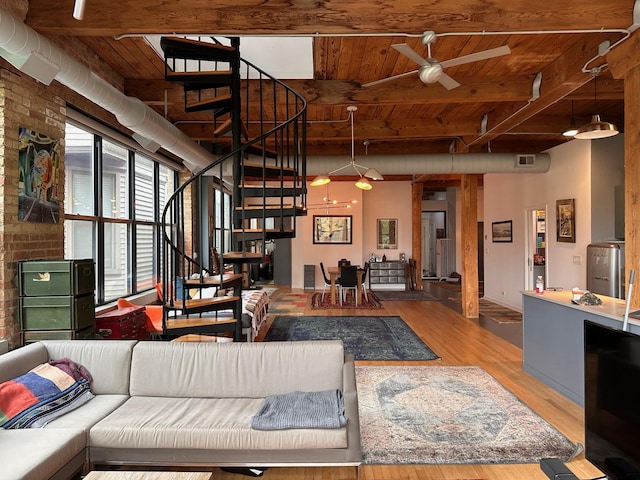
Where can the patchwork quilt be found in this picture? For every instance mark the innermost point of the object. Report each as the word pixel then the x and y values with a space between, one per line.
pixel 43 394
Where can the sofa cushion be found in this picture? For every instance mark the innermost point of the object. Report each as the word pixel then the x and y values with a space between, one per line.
pixel 109 361
pixel 90 413
pixel 234 370
pixel 202 423
pixel 36 454
pixel 21 360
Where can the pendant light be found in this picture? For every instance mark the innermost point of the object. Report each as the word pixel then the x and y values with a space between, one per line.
pixel 596 128
pixel 362 183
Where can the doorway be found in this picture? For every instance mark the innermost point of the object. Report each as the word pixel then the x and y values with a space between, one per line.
pixel 433 229
pixel 535 247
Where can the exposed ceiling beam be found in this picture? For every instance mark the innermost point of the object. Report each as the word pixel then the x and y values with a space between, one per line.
pixel 252 17
pixel 559 79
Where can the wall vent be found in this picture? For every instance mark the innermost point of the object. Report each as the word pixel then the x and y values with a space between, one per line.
pixel 525 160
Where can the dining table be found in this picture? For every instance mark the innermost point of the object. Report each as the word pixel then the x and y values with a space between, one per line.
pixel 334 275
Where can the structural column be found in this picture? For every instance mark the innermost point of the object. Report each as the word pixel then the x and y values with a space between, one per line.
pixel 469 246
pixel 416 229
pixel 625 64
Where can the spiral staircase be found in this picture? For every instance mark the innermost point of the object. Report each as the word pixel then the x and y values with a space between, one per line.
pixel 258 129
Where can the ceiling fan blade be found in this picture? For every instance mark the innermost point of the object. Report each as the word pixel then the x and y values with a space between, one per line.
pixel 407 51
pixel 474 57
pixel 388 79
pixel 447 82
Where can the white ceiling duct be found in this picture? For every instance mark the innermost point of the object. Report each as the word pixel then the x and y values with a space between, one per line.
pixel 440 163
pixel 37 56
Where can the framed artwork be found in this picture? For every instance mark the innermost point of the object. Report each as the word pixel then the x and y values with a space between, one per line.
pixel 39 177
pixel 387 233
pixel 332 229
pixel 566 220
pixel 501 232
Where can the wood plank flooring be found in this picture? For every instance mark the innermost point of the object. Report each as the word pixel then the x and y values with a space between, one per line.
pixel 459 341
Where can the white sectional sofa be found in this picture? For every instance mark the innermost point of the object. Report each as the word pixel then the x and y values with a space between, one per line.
pixel 182 404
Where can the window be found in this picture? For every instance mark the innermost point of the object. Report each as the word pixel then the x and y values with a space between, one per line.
pixel 114 198
pixel 221 220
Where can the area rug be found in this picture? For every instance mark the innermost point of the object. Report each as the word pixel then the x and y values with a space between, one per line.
pixel 317 303
pixel 288 304
pixel 449 415
pixel 399 295
pixel 367 338
pixel 498 313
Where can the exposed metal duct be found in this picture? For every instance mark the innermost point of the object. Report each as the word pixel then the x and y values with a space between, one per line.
pixel 37 56
pixel 440 163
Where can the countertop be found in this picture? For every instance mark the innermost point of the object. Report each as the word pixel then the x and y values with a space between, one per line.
pixel 611 307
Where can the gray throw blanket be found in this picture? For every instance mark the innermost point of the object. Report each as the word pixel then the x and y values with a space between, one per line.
pixel 301 410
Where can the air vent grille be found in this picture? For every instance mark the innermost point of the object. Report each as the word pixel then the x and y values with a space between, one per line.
pixel 525 160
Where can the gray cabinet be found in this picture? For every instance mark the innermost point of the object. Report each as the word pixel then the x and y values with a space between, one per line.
pixel 386 273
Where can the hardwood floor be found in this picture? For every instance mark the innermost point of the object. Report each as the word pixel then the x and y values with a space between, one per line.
pixel 459 341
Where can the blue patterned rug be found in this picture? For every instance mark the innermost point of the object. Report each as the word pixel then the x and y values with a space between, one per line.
pixel 365 337
pixel 449 415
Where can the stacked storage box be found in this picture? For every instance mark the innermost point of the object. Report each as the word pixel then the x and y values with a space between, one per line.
pixel 56 299
pixel 122 323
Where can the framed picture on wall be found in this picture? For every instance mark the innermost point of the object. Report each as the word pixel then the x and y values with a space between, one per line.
pixel 387 233
pixel 566 220
pixel 332 229
pixel 501 232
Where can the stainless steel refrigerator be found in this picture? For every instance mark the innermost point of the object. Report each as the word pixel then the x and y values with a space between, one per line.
pixel 605 269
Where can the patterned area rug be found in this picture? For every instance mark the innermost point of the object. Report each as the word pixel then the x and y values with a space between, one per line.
pixel 317 303
pixel 289 304
pixel 367 338
pixel 399 295
pixel 498 313
pixel 449 415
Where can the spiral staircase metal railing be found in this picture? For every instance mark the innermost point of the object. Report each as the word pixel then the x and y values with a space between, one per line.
pixel 257 126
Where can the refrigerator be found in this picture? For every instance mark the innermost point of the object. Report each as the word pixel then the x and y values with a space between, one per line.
pixel 605 269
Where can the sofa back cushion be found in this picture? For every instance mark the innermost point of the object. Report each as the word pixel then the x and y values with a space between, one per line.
pixel 108 361
pixel 232 370
pixel 19 361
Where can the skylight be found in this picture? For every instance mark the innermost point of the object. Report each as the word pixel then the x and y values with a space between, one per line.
pixel 285 58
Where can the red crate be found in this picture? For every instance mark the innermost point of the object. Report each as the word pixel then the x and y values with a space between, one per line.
pixel 122 323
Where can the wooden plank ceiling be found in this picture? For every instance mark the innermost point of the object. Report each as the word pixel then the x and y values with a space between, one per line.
pixel 352 46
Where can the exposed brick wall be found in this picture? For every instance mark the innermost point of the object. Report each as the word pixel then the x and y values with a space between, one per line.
pixel 23 103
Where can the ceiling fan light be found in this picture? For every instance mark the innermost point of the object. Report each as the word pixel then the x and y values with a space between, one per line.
pixel 571 132
pixel 363 184
pixel 373 174
pixel 430 73
pixel 320 180
pixel 596 129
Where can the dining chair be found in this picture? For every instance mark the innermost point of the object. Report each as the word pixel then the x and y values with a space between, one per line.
pixel 348 281
pixel 327 281
pixel 364 281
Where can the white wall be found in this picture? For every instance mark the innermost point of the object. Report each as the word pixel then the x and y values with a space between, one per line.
pixel 570 176
pixel 607 172
pixel 386 200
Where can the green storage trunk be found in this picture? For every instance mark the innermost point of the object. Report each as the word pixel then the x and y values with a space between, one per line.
pixel 56 277
pixel 38 335
pixel 57 313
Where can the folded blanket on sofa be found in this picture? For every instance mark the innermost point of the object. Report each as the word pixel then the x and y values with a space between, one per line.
pixel 301 410
pixel 42 393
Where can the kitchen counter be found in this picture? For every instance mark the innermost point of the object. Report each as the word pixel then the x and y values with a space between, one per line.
pixel 553 337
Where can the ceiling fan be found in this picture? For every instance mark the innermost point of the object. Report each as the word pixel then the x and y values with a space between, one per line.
pixel 431 70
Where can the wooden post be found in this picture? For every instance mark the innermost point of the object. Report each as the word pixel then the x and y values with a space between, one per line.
pixel 625 64
pixel 632 178
pixel 416 229
pixel 469 246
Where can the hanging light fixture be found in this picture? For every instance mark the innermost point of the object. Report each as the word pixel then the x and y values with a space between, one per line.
pixel 572 130
pixel 78 9
pixel 596 128
pixel 362 183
